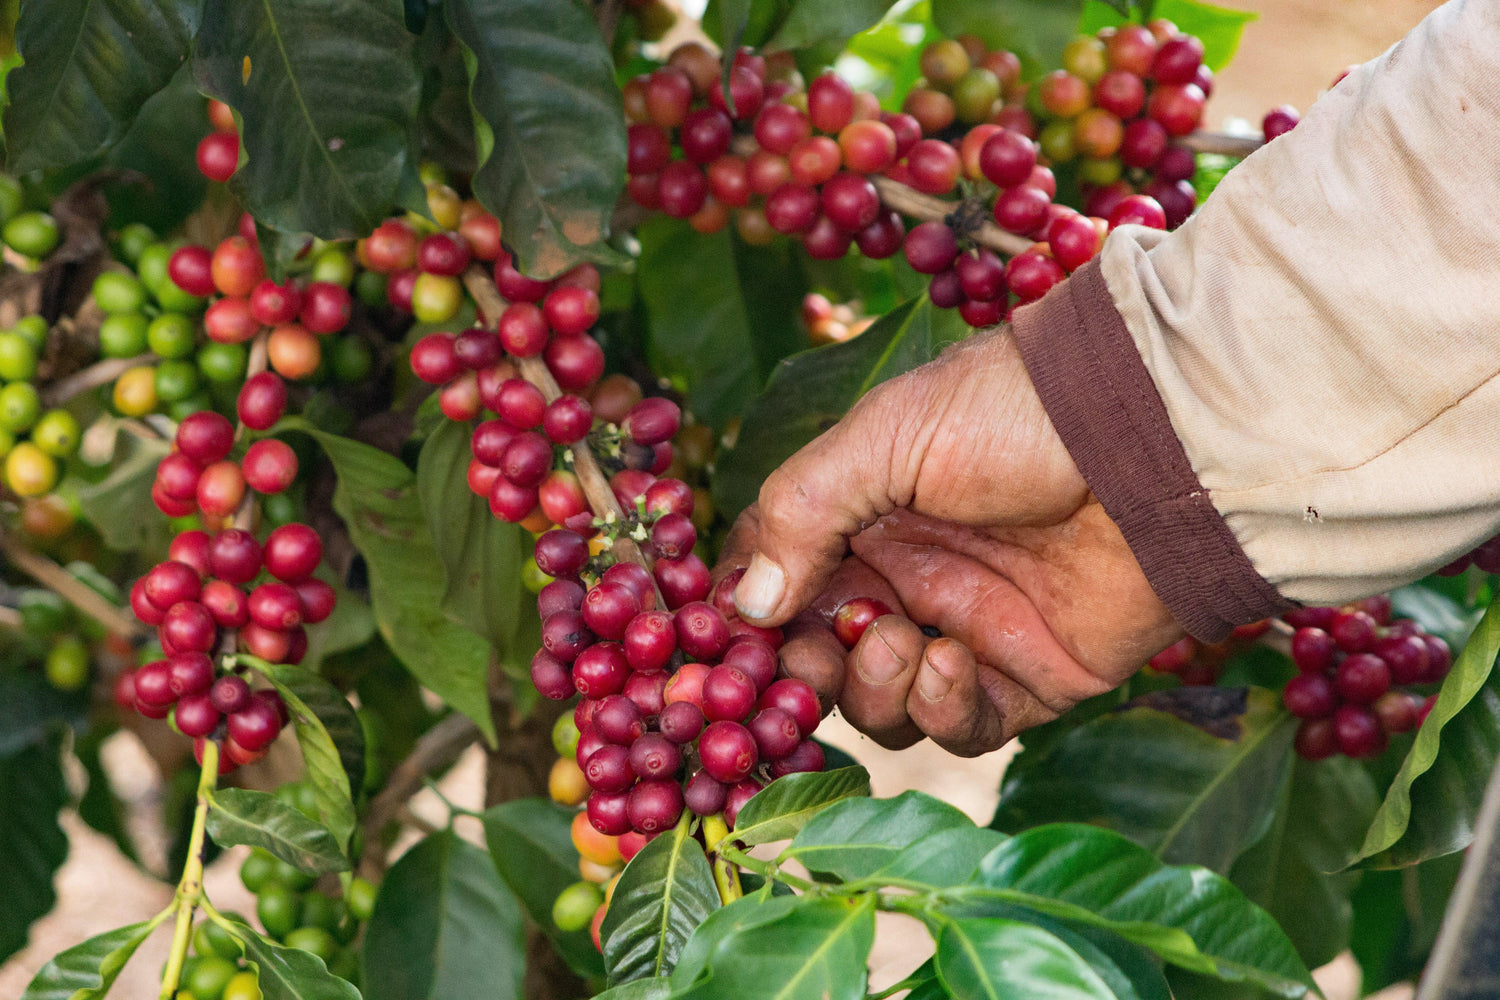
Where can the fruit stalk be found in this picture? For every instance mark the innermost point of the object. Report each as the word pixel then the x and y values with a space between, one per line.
pixel 97 374
pixel 726 874
pixel 914 204
pixel 70 588
pixel 190 888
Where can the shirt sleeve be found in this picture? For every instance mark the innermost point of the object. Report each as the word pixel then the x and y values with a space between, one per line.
pixel 1294 396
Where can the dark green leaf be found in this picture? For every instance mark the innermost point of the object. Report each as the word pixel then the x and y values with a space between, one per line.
pixel 740 916
pixel 120 504
pixel 858 837
pixel 815 21
pixel 351 625
pixel 288 973
pixel 90 65
pixel 815 948
pixel 481 555
pixel 810 391
pixel 663 895
pixel 1429 809
pixel 331 738
pixel 551 132
pixel 1397 914
pixel 30 708
pixel 159 182
pixel 444 927
pixel 532 847
pixel 242 816
pixel 783 807
pixel 1131 971
pixel 641 989
pixel 946 858
pixel 1186 915
pixel 32 844
pixel 991 958
pixel 1195 773
pixel 1035 30
pixel 377 498
pixel 1324 812
pixel 327 92
pixel 87 970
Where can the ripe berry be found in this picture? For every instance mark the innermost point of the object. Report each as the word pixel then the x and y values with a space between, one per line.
pixel 606 812
pixel 186 628
pixel 650 639
pixel 807 757
pixel 227 604
pixel 1358 731
pixel 443 253
pixel 1362 678
pixel 681 721
pixel 654 806
pixel 1279 121
pixel 648 691
pixel 567 420
pixel 728 751
pixel 576 362
pixel 746 91
pixel 776 733
pixel 881 238
pixel 1316 739
pixel 219 155
pixel 190 270
pixel 600 670
pixel 189 673
pixel 551 676
pixel 608 608
pixel 570 310
pixel 798 699
pixel 205 437
pixel 682 580
pixel 704 794
pixel 196 715
pixel 191 548
pixel 849 200
pixel 933 166
pixel 1309 696
pixel 292 552
pixel 269 644
pixel 1313 650
pixel 727 694
pixel 270 466
pixel 705 135
pixel 702 632
pixel 275 606
pixel 1138 210
pixel 171 582
pixel 830 103
pixel 262 401
pixel 739 794
pixel 255 725
pixel 229 693
pixel 1354 631
pixel 854 616
pixel 754 658
pixel 477 349
pixel 652 421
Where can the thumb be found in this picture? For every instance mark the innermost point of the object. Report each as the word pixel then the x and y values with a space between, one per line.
pixel 831 489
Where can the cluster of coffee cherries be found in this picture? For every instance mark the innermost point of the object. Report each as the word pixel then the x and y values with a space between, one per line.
pixel 199 474
pixel 32 440
pixel 1198 664
pixel 422 272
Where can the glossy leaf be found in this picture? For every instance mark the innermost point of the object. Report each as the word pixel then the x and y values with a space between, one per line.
pixel 377 498
pixel 815 948
pixel 991 958
pixel 242 816
pixel 351 625
pixel 444 927
pixel 286 973
pixel 739 917
pixel 87 970
pixel 1324 810
pixel 857 837
pixel 1195 773
pixel 1430 807
pixel 641 989
pixel 784 807
pixel 810 391
pixel 159 181
pixel 663 895
pixel 326 91
pixel 1434 611
pixel 946 858
pixel 331 738
pixel 120 504
pixel 551 143
pixel 1128 969
pixel 815 21
pixel 32 844
pixel 481 555
pixel 532 847
pixel 1035 30
pixel 89 66
pixel 30 709
pixel 1186 915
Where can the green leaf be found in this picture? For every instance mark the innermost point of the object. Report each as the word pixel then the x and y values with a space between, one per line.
pixel 32 844
pixel 1186 915
pixel 531 844
pixel 551 141
pixel 242 816
pixel 810 391
pixel 641 989
pixel 1435 611
pixel 815 948
pixel 351 625
pixel 481 555
pixel 90 65
pixel 119 506
pixel 1324 811
pixel 1430 807
pixel 331 738
pixel 663 895
pixel 1195 774
pixel 30 709
pixel 445 927
pixel 946 858
pixel 327 92
pixel 783 807
pixel 1131 971
pixel 159 182
pixel 857 837
pixel 377 498
pixel 287 973
pixel 814 21
pixel 87 970
pixel 1035 30
pixel 991 958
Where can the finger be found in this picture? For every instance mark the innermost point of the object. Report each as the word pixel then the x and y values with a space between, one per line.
pixel 812 654
pixel 739 543
pixel 882 668
pixel 949 704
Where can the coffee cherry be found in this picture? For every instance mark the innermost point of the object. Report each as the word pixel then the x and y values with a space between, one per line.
pixel 608 769
pixel 275 606
pixel 798 699
pixel 567 420
pixel 653 756
pixel 187 627
pixel 649 641
pixel 754 658
pixel 931 247
pixel 618 720
pixel 600 670
pixel 808 757
pixel 654 806
pixel 1362 678
pixel 704 795
pixel 196 715
pixel 648 691
pixel 728 751
pixel 739 794
pixel 171 582
pixel 1310 696
pixel 776 733
pixel 702 632
pixel 229 694
pixel 1358 731
pixel 681 721
pixel 1279 121
pixel 256 725
pixel 177 476
pixel 218 155
pixel 609 608
pixel 292 552
pixel 1354 631
pixel 559 595
pixel 270 466
pixel 1316 739
pixel 854 616
pixel 234 555
pixel 191 548
pixel 606 812
pixel 576 362
pixel 727 694
pixel 551 676
pixel 189 673
pixel 205 437
pixel 682 581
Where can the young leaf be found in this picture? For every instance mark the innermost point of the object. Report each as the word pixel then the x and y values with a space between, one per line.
pixel 444 928
pixel 242 816
pixel 551 144
pixel 88 69
pixel 663 895
pixel 1430 807
pixel 32 844
pixel 1196 773
pixel 858 837
pixel 481 555
pixel 810 391
pixel 331 738
pixel 1186 915
pixel 816 948
pixel 988 958
pixel 532 848
pixel 783 807
pixel 87 970
pixel 812 22
pixel 326 95
pixel 377 497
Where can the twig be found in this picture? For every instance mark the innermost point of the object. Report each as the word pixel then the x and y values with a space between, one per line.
pixel 97 374
pixel 1223 143
pixel 607 16
pixel 911 202
pixel 11 618
pixel 83 597
pixel 437 749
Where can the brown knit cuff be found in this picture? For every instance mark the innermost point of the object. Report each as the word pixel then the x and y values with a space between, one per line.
pixel 1101 399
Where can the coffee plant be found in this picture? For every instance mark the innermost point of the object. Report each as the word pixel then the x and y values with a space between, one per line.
pixel 389 373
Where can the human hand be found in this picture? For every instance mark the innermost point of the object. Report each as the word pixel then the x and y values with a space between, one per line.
pixel 947 494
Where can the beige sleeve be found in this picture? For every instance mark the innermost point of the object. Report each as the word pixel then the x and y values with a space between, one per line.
pixel 1325 332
